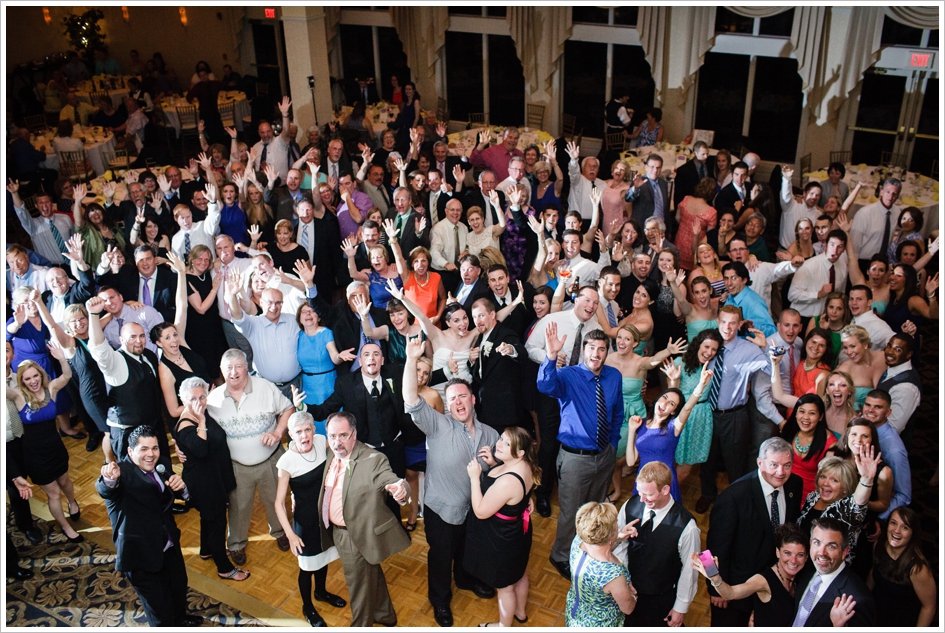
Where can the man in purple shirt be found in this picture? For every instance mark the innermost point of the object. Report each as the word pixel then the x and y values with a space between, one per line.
pixel 354 205
pixel 497 157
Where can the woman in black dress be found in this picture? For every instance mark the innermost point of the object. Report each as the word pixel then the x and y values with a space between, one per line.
pixel 208 473
pixel 773 588
pixel 286 251
pixel 202 312
pixel 302 467
pixel 901 579
pixel 498 533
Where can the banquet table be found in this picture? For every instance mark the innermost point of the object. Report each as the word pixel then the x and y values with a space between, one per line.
pixel 463 143
pixel 86 88
pixel 674 156
pixel 97 142
pixel 381 114
pixel 118 177
pixel 917 190
pixel 241 108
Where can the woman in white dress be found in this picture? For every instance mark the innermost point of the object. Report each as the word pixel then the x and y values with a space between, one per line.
pixel 451 347
pixel 480 236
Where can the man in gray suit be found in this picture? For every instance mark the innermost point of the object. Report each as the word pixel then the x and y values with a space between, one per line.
pixel 650 195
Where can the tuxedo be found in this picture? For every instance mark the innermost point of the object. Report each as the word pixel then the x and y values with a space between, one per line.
pixel 644 203
pixel 479 290
pixel 163 296
pixel 687 177
pixel 346 326
pixel 497 379
pixel 741 536
pixel 847 583
pixel 728 196
pixel 522 315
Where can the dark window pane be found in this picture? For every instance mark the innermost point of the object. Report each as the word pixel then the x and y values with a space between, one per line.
pixel 594 15
pixel 933 38
pixel 926 150
pixel 463 74
pixel 465 10
pixel 585 75
pixel 632 76
pixel 626 16
pixel 393 60
pixel 267 56
pixel 496 12
pixel 896 34
pixel 506 83
pixel 779 25
pixel 720 104
pixel 880 105
pixel 357 51
pixel 729 22
pixel 776 109
pixel 379 8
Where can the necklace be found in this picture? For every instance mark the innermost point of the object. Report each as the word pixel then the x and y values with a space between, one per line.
pixel 809 367
pixel 179 361
pixel 788 584
pixel 302 455
pixel 202 277
pixel 801 450
pixel 422 284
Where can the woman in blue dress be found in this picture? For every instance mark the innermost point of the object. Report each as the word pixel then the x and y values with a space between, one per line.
pixel 654 440
pixel 318 356
pixel 650 132
pixel 376 277
pixel 408 118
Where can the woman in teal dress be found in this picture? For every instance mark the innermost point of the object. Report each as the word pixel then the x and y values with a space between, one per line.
pixel 864 364
pixel 696 437
pixel 633 369
pixel 600 584
pixel 402 325
pixel 318 357
pixel 699 309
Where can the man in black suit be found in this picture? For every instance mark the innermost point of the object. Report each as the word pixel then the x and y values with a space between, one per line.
pixel 436 195
pixel 60 293
pixel 736 193
pixel 472 286
pixel 741 527
pixel 503 295
pixel 406 222
pixel 139 495
pixel 479 196
pixel 650 195
pixel 829 546
pixel 497 371
pixel 689 175
pixel 363 90
pixel 370 237
pixel 337 163
pixel 285 199
pixel 444 163
pixel 134 205
pixel 314 219
pixel 155 286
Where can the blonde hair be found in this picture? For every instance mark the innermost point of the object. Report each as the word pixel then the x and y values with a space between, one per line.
pixel 541 165
pixel 382 250
pixel 634 332
pixel 179 208
pixel 35 403
pixel 196 252
pixel 22 294
pixel 69 313
pixel 857 332
pixel 657 473
pixel 843 469
pixel 627 171
pixel 596 523
pixel 282 224
pixel 847 378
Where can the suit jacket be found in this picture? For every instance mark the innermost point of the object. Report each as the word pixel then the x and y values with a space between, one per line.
pixel 409 239
pixel 373 528
pixel 378 196
pixel 846 582
pixel 79 292
pixel 740 531
pixel 439 213
pixel 282 203
pixel 644 204
pixel 450 162
pixel 346 325
pixel 355 95
pixel 523 315
pixel 165 291
pixel 472 197
pixel 497 379
pixel 479 290
pixel 141 517
pixel 728 196
pixel 687 177
pixel 362 259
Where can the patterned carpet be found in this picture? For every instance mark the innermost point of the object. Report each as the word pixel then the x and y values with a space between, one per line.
pixel 76 585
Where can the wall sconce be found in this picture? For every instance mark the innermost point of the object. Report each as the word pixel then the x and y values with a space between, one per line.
pixel 46 17
pixel 183 15
pixel 124 14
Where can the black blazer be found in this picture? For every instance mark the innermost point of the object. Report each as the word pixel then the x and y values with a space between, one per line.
pixel 523 315
pixel 644 204
pixel 687 177
pixel 346 326
pixel 409 239
pixel 282 203
pixel 450 162
pixel 79 292
pixel 740 532
pixel 355 95
pixel 331 270
pixel 479 290
pixel 728 196
pixel 165 291
pixel 846 582
pixel 125 281
pixel 141 517
pixel 473 197
pixel 127 211
pixel 498 389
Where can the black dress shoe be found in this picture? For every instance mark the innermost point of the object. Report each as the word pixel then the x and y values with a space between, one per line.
pixel 543 507
pixel 563 568
pixel 443 616
pixel 191 621
pixel 92 445
pixel 703 504
pixel 78 435
pixel 78 511
pixel 312 616
pixel 482 590
pixel 336 601
pixel 21 574
pixel 33 535
pixel 179 508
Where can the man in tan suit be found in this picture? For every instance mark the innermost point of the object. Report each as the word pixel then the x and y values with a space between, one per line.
pixel 355 519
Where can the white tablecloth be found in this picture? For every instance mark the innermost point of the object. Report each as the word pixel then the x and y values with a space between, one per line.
pixel 118 177
pixel 674 157
pixel 463 143
pixel 97 143
pixel 241 108
pixel 917 190
pixel 381 114
pixel 86 88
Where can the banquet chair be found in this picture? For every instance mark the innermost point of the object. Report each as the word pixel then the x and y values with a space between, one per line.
pixel 844 158
pixel 118 159
pixel 806 161
pixel 262 88
pixel 150 163
pixel 187 115
pixel 477 119
pixel 226 114
pixel 891 159
pixel 616 141
pixel 96 95
pixel 35 122
pixel 933 173
pixel 568 125
pixel 535 116
pixel 74 165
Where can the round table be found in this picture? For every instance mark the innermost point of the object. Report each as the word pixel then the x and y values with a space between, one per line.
pixel 674 156
pixel 463 143
pixel 380 113
pixel 241 108
pixel 118 177
pixel 86 88
pixel 97 143
pixel 917 190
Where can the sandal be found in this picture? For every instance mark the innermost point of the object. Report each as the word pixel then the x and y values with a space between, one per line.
pixel 610 496
pixel 236 574
pixel 410 527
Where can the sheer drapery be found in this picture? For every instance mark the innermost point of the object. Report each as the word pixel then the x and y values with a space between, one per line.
pixel 699 38
pixel 807 42
pixel 758 12
pixel 332 18
pixel 539 34
pixel 422 31
pixel 916 17
pixel 652 26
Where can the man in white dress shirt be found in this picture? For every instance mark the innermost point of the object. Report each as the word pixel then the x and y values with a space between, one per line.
pixel 581 267
pixel 271 149
pixel 819 276
pixel 583 179
pixel 793 209
pixel 50 231
pixel 448 243
pixel 789 336
pixel 762 274
pixel 193 233
pixel 874 224
pixel 860 301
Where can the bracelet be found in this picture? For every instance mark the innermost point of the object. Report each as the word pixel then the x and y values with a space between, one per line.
pixel 97 314
pixel 715 584
pixel 202 428
pixel 866 485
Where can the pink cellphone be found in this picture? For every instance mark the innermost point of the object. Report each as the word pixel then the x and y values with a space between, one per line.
pixel 708 563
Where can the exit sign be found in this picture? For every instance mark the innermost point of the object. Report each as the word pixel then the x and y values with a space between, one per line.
pixel 270 13
pixel 920 60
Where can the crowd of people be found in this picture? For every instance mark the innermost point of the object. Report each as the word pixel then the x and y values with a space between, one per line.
pixel 333 326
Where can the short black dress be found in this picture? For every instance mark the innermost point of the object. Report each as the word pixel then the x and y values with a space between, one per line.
pixel 207 338
pixel 208 471
pixel 897 604
pixel 779 610
pixel 44 455
pixel 497 548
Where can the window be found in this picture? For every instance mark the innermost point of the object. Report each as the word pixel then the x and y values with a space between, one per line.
pixel 730 22
pixel 626 16
pixel 933 38
pixel 496 12
pixel 357 51
pixel 506 83
pixel 632 75
pixel 897 34
pixel 779 25
pixel 585 77
pixel 393 60
pixel 592 15
pixel 776 109
pixel 465 10
pixel 723 92
pixel 925 150
pixel 464 74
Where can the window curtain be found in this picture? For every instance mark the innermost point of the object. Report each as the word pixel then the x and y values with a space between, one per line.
pixel 236 16
pixel 699 39
pixel 807 42
pixel 757 12
pixel 422 30
pixel 652 26
pixel 539 34
pixel 916 17
pixel 332 18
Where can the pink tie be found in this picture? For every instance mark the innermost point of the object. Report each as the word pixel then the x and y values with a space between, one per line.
pixel 146 293
pixel 329 487
pixel 226 306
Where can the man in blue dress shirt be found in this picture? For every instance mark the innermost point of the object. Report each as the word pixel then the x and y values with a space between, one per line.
pixel 591 414
pixel 754 308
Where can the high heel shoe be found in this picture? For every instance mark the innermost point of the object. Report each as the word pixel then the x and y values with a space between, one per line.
pixel 78 538
pixel 78 511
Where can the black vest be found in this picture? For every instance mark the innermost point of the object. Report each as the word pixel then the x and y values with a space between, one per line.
pixel 90 381
pixel 138 401
pixel 382 415
pixel 653 560
pixel 614 124
pixel 909 377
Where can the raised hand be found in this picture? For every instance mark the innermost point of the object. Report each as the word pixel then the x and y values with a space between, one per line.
pixel 842 610
pixel 74 249
pixel 271 175
pixel 298 397
pixel 176 262
pixel 634 422
pixel 867 461
pixel 284 106
pixel 94 305
pixel 574 151
pixel 514 195
pixel 414 135
pixel 757 337
pixel 255 233
pixel 363 307
pixel 164 183
pixel 108 189
pixel 130 178
pixel 231 131
pixel 595 196
pixel 414 348
pixel 843 223
pixel 305 272
pixel 395 292
pixel 14 186
pixel 234 284
pixel 601 239
pixel 349 247
pixel 440 129
pixel 156 203
pixel 459 174
pixel 239 181
pixel 421 223
pixel 205 162
pixel 399 164
pixel 553 344
pixel 787 172
pixel 706 376
pixel 679 346
pixel 932 284
pixel 536 226
pixel 485 136
pixel 210 191
pixel 672 370
pixel 192 167
pixel 550 150
pixel 638 180
pixel 201 126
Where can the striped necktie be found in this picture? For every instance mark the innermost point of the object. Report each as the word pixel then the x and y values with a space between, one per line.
pixel 612 319
pixel 304 239
pixel 807 604
pixel 186 245
pixel 716 385
pixel 60 243
pixel 603 425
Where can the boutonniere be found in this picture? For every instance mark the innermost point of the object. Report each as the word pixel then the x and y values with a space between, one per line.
pixel 486 348
pixel 390 384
